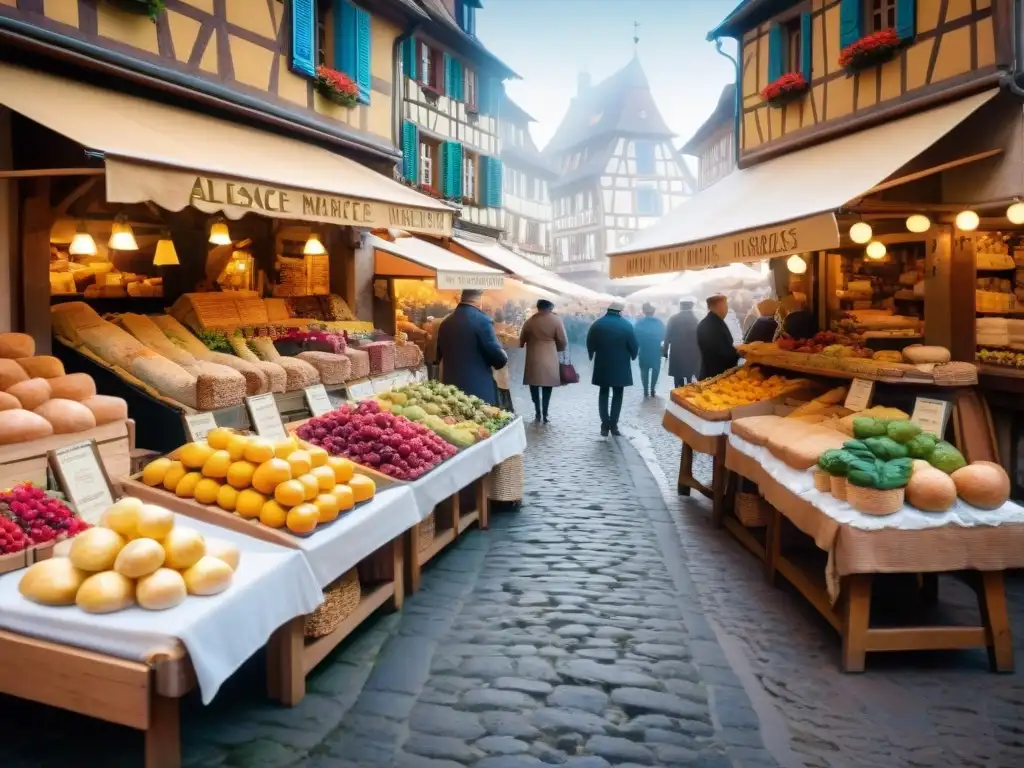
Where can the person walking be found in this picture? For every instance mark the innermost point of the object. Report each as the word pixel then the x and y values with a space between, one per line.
pixel 612 345
pixel 469 351
pixel 681 344
pixel 650 335
pixel 717 351
pixel 544 337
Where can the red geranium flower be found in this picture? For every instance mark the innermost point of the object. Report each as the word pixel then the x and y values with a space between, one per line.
pixel 791 82
pixel 885 39
pixel 338 83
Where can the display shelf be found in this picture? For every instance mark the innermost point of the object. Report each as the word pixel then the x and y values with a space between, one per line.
pixel 833 373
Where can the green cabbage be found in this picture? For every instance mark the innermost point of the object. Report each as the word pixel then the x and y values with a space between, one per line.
pixel 866 426
pixel 885 448
pixel 902 431
pixel 835 461
pixel 922 445
pixel 947 458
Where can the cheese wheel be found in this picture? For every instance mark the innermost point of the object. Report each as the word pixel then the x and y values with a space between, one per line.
pixel 106 409
pixel 11 373
pixel 162 589
pixel 31 393
pixel 208 576
pixel 15 345
pixel 44 366
pixel 105 592
pixel 73 386
pixel 8 402
pixel 19 426
pixel 52 582
pixel 66 416
pixel 139 558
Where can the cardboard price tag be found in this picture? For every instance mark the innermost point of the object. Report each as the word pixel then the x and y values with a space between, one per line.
pixel 199 425
pixel 931 415
pixel 83 479
pixel 359 390
pixel 265 418
pixel 317 400
pixel 859 396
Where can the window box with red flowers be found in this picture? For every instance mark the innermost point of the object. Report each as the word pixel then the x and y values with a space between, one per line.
pixel 336 86
pixel 427 189
pixel 790 87
pixel 869 51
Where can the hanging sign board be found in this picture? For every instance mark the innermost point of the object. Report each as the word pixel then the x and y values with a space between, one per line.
pixel 359 390
pixel 198 425
pixel 931 415
pixel 265 418
pixel 317 400
pixel 859 396
pixel 471 281
pixel 80 474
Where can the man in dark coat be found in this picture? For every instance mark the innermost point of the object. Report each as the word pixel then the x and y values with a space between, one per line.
pixel 717 352
pixel 468 349
pixel 681 344
pixel 612 345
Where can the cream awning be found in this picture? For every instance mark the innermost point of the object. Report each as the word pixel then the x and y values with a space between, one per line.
pixel 415 258
pixel 176 158
pixel 785 205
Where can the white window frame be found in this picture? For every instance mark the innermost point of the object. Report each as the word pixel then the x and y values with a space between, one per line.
pixel 426 64
pixel 426 164
pixel 469 86
pixel 469 176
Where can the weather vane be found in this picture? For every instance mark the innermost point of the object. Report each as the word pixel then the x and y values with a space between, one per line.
pixel 636 33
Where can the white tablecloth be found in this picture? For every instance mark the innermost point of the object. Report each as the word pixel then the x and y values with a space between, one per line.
pixel 697 424
pixel 908 518
pixel 271 586
pixel 359 533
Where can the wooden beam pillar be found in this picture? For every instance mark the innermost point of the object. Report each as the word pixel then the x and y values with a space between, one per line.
pixel 36 222
pixel 8 228
pixel 938 329
pixel 962 298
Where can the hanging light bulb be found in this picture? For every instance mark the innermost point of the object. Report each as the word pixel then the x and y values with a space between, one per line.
pixel 967 221
pixel 313 246
pixel 121 236
pixel 82 243
pixel 166 255
pixel 875 249
pixel 861 232
pixel 219 234
pixel 796 264
pixel 918 223
pixel 1015 213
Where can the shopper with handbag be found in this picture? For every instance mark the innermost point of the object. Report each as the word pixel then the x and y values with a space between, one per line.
pixel 543 336
pixel 612 345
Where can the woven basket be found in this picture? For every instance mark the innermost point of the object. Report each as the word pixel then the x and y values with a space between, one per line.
pixel 752 510
pixel 872 501
pixel 507 480
pixel 427 532
pixel 340 600
pixel 822 481
pixel 837 487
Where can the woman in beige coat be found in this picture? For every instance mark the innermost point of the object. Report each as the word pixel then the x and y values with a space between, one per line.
pixel 543 335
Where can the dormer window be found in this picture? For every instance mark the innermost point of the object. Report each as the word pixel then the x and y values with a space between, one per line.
pixel 465 15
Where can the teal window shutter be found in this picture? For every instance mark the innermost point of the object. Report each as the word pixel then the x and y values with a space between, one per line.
pixel 776 53
pixel 806 48
pixel 352 45
pixel 304 37
pixel 906 21
pixel 493 181
pixel 409 59
pixel 851 19
pixel 457 89
pixel 452 185
pixel 410 151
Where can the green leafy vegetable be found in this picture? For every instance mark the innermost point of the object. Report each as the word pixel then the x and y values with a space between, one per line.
pixel 835 461
pixel 902 431
pixel 894 474
pixel 885 448
pixel 866 426
pixel 947 458
pixel 922 445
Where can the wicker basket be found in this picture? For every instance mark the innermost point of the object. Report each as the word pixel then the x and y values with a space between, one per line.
pixel 837 487
pixel 507 480
pixel 872 501
pixel 427 532
pixel 340 599
pixel 752 510
pixel 822 481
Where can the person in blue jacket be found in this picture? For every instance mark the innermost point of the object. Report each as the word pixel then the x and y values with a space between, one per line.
pixel 650 333
pixel 612 345
pixel 469 350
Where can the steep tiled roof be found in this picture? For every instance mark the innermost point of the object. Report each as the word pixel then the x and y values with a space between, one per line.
pixel 621 105
pixel 450 32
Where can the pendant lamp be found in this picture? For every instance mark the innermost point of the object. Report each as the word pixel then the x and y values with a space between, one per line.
pixel 967 221
pixel 860 232
pixel 166 255
pixel 82 243
pixel 121 236
pixel 313 246
pixel 219 234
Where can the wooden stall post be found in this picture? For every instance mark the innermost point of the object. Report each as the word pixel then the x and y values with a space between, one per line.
pixel 163 737
pixel 685 481
pixel 998 640
pixel 856 618
pixel 36 223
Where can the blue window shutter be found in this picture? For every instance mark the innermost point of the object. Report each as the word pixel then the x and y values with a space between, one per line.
pixel 304 37
pixel 452 185
pixel 850 21
pixel 410 151
pixel 906 21
pixel 352 45
pixel 410 61
pixel 806 47
pixel 776 53
pixel 364 36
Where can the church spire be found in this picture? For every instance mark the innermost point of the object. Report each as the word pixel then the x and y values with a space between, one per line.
pixel 636 36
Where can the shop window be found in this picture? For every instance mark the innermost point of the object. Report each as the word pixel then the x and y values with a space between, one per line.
pixel 469 168
pixel 793 45
pixel 881 15
pixel 429 151
pixel 648 201
pixel 644 157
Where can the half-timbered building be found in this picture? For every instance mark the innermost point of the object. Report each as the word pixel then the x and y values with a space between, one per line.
pixel 451 93
pixel 618 172
pixel 713 144
pixel 528 176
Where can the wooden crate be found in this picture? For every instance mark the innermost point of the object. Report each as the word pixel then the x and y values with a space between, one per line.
pixel 26 462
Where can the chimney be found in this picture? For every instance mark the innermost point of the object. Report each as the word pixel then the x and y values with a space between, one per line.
pixel 582 83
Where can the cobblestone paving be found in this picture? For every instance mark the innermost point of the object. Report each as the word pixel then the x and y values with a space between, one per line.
pixel 937 709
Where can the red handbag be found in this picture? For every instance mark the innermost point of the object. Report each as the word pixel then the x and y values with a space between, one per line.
pixel 566 370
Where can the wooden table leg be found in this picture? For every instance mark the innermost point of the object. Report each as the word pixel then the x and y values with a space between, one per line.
pixel 285 672
pixel 718 478
pixel 163 737
pixel 992 599
pixel 483 502
pixel 685 471
pixel 398 572
pixel 455 512
pixel 856 620
pixel 772 546
pixel 413 567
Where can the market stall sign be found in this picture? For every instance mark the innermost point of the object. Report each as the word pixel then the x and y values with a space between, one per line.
pixel 816 233
pixel 357 390
pixel 82 478
pixel 174 190
pixel 469 281
pixel 265 417
pixel 198 425
pixel 317 400
pixel 859 397
pixel 931 415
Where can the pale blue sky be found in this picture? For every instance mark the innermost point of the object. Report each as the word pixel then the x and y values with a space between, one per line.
pixel 547 42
